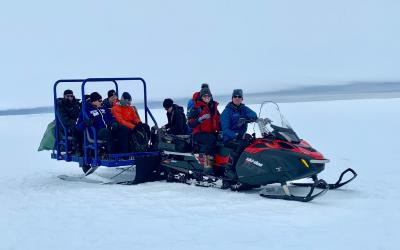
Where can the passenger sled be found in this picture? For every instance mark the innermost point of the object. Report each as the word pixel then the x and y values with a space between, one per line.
pixel 146 163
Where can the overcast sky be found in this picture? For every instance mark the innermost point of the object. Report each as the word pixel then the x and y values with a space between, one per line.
pixel 177 45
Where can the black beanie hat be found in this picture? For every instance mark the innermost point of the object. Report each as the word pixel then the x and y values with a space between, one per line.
pixel 111 92
pixel 126 96
pixel 168 103
pixel 205 91
pixel 95 97
pixel 68 92
pixel 237 92
pixel 204 85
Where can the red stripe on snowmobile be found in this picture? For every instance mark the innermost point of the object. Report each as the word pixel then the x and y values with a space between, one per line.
pixel 304 148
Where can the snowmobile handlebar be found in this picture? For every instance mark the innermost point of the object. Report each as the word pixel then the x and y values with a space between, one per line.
pixel 263 120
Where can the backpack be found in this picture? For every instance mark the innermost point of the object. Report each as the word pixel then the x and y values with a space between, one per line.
pixel 140 138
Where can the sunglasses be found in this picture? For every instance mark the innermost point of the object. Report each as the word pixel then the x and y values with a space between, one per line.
pixel 237 96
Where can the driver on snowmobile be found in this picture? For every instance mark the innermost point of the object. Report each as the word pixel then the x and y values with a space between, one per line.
pixel 234 118
pixel 234 121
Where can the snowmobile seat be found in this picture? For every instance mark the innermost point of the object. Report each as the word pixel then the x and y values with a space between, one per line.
pixel 177 143
pixel 183 143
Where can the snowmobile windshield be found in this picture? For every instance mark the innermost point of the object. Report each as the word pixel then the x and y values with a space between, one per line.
pixel 271 122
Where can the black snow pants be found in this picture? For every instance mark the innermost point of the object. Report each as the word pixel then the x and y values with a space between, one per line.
pixel 105 134
pixel 206 142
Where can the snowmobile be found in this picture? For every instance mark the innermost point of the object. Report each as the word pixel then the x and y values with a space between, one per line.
pixel 273 154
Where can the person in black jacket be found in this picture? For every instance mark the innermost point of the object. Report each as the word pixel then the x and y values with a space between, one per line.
pixel 111 99
pixel 176 118
pixel 68 109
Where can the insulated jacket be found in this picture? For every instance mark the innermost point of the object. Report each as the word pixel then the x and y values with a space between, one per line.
pixel 107 105
pixel 230 118
pixel 101 117
pixel 211 125
pixel 177 121
pixel 68 111
pixel 125 115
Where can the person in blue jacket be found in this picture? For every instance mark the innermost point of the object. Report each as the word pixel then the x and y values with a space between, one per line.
pixel 100 118
pixel 234 121
pixel 234 118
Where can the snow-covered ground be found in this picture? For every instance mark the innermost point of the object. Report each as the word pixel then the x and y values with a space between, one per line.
pixel 40 211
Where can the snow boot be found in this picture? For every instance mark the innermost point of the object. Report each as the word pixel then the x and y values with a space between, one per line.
pixel 229 172
pixel 226 184
pixel 208 165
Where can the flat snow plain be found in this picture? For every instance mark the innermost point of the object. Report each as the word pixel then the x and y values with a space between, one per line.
pixel 40 211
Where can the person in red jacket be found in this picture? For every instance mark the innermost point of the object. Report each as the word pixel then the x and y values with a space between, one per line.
pixel 128 120
pixel 204 119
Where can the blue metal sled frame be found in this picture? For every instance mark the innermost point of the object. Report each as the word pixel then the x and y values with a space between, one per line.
pixel 62 151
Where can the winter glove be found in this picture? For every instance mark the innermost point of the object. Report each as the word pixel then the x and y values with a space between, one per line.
pixel 203 118
pixel 88 123
pixel 241 122
pixel 266 120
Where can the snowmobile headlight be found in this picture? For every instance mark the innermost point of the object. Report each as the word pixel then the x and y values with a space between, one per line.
pixel 305 163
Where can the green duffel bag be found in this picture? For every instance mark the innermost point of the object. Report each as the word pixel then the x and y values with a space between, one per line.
pixel 49 138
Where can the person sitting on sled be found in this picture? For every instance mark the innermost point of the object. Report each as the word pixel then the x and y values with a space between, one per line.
pixel 234 121
pixel 68 109
pixel 111 99
pixel 131 130
pixel 101 119
pixel 204 119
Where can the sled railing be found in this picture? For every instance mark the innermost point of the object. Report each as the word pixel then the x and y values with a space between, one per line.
pixel 96 160
pixel 115 80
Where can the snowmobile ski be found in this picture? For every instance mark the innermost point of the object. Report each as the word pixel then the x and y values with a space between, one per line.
pixel 336 185
pixel 291 197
